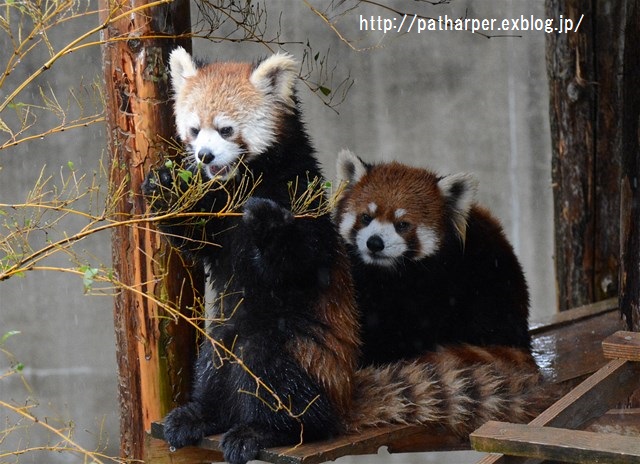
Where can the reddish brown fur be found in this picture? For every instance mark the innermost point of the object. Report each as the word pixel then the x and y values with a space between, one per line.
pixel 333 362
pixel 458 387
pixel 226 85
pixel 470 354
pixel 229 91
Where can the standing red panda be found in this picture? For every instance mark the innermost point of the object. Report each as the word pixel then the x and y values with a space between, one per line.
pixel 431 267
pixel 287 312
pixel 292 321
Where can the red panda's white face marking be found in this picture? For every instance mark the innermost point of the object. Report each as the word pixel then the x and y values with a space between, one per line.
pixel 229 113
pixel 216 149
pixel 384 235
pixel 391 212
pixel 379 242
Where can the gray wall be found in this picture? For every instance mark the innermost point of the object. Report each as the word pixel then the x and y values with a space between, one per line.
pixel 452 101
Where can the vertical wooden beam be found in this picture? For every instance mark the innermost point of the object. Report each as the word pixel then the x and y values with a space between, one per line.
pixel 609 50
pixel 585 79
pixel 152 372
pixel 630 191
pixel 570 69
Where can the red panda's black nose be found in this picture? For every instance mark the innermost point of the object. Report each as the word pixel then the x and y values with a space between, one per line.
pixel 375 243
pixel 205 156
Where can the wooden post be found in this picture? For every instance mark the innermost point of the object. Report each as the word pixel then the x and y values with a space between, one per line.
pixel 630 191
pixel 153 375
pixel 585 86
pixel 609 20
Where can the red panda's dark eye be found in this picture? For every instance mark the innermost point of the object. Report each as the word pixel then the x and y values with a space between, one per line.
pixel 365 219
pixel 225 132
pixel 401 226
pixel 194 131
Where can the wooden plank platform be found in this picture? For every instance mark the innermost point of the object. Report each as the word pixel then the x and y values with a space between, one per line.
pixel 620 421
pixel 567 348
pixel 397 438
pixel 584 406
pixel 557 444
pixel 622 345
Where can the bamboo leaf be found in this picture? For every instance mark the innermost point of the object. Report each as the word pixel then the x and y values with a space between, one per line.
pixel 7 335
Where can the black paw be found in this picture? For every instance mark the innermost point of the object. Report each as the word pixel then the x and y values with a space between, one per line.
pixel 158 189
pixel 157 180
pixel 241 444
pixel 185 426
pixel 265 217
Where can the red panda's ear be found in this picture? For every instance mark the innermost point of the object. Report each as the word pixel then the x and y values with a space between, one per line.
pixel 350 167
pixel 182 67
pixel 459 191
pixel 277 76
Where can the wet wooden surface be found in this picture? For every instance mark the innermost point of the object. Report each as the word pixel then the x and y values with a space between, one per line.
pixel 610 436
pixel 569 347
pixel 620 421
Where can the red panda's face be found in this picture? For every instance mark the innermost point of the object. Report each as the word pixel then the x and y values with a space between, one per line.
pixel 229 113
pixel 390 212
pixel 393 212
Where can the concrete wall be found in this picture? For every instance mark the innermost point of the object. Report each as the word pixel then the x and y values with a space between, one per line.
pixel 453 101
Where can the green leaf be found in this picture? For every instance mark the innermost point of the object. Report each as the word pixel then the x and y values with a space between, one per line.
pixel 9 334
pixel 185 175
pixel 88 277
pixel 325 91
pixel 71 166
pixel 168 164
pixel 19 367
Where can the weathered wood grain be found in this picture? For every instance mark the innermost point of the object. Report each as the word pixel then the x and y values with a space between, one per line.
pixel 622 345
pixel 151 374
pixel 572 92
pixel 621 421
pixel 557 444
pixel 592 398
pixel 630 178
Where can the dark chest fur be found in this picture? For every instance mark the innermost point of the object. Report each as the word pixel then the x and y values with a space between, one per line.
pixel 474 294
pixel 270 271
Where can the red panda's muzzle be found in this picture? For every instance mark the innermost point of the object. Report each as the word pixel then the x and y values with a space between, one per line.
pixel 375 243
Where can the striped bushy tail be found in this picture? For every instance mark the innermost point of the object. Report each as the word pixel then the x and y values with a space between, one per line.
pixel 459 387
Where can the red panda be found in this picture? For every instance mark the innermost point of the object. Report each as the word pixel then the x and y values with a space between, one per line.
pixel 294 324
pixel 431 267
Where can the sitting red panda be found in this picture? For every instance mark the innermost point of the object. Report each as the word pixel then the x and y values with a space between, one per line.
pixel 288 314
pixel 430 266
